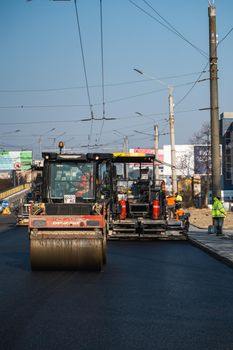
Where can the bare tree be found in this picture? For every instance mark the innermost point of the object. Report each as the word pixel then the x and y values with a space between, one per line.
pixel 184 164
pixel 203 158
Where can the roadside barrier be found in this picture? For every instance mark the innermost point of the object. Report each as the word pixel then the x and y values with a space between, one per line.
pixel 14 190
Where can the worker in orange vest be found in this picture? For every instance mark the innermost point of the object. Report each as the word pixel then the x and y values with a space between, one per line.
pixel 171 203
pixel 83 185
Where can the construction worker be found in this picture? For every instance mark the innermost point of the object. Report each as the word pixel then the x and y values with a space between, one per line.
pixel 171 203
pixel 179 200
pixel 84 184
pixel 218 214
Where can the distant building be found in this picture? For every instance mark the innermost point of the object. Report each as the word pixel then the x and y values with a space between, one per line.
pixel 226 138
pixel 191 161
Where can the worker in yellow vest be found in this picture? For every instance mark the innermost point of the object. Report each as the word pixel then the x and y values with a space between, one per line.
pixel 218 214
pixel 179 200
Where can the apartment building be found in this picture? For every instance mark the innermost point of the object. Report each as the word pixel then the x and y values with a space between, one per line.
pixel 226 138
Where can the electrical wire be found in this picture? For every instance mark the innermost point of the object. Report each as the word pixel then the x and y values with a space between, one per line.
pixel 41 106
pixel 204 70
pixel 95 104
pixel 149 92
pixel 225 36
pixel 169 27
pixel 192 87
pixel 83 59
pixel 78 121
pixel 40 122
pixel 98 86
pixel 102 69
pixel 176 31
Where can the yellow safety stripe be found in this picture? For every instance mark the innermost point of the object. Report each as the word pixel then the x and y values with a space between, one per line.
pixel 14 190
pixel 127 154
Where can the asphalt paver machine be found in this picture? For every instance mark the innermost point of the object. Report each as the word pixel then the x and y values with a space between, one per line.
pixel 68 228
pixel 139 207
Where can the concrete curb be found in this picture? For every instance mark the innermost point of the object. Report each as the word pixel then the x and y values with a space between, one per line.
pixel 206 228
pixel 211 251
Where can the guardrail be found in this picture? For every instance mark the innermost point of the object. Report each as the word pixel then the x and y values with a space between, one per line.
pixel 14 190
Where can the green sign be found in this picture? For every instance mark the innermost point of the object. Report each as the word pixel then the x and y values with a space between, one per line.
pixel 16 160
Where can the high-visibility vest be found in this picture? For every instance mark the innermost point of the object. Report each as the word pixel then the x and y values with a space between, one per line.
pixel 179 198
pixel 171 200
pixel 218 210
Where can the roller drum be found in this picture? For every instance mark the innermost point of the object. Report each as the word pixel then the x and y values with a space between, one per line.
pixel 104 249
pixel 66 253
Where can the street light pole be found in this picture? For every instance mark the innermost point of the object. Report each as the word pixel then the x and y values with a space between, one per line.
pixel 126 144
pixel 172 128
pixel 172 140
pixel 156 146
pixel 125 149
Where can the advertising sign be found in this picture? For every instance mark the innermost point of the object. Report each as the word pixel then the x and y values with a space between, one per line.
pixel 202 157
pixel 148 151
pixel 15 160
pixel 184 160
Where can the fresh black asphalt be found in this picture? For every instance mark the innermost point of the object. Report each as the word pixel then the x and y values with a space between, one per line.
pixel 150 295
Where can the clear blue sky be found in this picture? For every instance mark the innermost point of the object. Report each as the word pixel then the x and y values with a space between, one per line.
pixel 42 83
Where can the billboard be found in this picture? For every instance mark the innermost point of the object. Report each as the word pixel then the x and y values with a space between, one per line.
pixel 15 160
pixel 184 160
pixel 148 151
pixel 202 156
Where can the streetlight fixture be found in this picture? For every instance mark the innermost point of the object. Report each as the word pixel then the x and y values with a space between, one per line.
pixel 172 129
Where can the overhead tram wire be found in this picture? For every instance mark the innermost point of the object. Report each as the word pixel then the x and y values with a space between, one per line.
pixel 102 85
pixel 95 86
pixel 78 121
pixel 102 67
pixel 102 73
pixel 203 53
pixel 204 70
pixel 225 36
pixel 97 104
pixel 170 28
pixel 192 87
pixel 84 67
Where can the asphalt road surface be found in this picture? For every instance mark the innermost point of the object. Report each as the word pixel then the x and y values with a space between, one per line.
pixel 150 295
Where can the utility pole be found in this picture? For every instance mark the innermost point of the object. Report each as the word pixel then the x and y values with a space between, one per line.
pixel 126 149
pixel 172 128
pixel 156 146
pixel 172 139
pixel 39 142
pixel 126 144
pixel 214 110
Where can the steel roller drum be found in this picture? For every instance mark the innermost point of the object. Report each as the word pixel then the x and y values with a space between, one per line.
pixel 104 250
pixel 66 253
